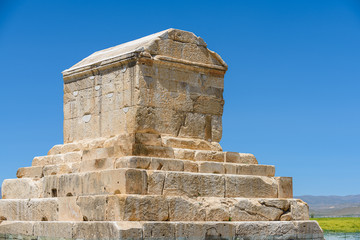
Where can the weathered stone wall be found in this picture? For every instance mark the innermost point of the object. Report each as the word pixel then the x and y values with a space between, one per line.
pixel 173 87
pixel 180 102
pixel 100 105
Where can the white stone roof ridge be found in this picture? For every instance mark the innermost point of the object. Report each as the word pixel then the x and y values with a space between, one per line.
pixel 137 46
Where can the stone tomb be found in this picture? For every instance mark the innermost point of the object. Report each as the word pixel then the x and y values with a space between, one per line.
pixel 141 157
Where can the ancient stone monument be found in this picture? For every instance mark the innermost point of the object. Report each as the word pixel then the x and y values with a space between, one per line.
pixel 141 157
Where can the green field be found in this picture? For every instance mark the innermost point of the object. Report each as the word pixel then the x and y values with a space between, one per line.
pixel 348 224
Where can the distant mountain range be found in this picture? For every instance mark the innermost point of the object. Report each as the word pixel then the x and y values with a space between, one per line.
pixel 321 206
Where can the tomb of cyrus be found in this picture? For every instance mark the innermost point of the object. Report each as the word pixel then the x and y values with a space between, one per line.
pixel 141 157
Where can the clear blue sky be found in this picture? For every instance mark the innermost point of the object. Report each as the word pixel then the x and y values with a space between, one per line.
pixel 292 91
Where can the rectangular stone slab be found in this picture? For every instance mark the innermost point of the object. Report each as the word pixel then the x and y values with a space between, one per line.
pixel 306 230
pixel 168 164
pixel 137 181
pixel 147 163
pixel 152 208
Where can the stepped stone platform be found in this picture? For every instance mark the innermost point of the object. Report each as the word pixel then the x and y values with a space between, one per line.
pixel 141 157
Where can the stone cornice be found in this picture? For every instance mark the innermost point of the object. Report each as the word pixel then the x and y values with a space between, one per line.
pixel 119 61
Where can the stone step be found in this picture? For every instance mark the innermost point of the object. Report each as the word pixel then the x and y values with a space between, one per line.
pixel 138 181
pixel 148 163
pixel 161 230
pixel 152 208
pixel 146 151
pixel 167 164
pixel 127 140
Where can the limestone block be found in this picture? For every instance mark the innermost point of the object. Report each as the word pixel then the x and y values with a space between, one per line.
pixel 114 211
pixel 230 168
pixel 255 169
pixel 50 186
pixel 217 209
pixel 97 164
pixel 71 147
pixel 148 139
pixel 22 188
pixel 98 153
pixel 112 122
pixel 190 166
pixel 130 230
pixel 166 165
pixel 65 148
pixel 135 181
pixel 193 52
pixel 209 230
pixel 57 169
pixel 245 158
pixel 185 37
pixel 152 208
pixel 48 160
pixel 166 230
pixel 69 210
pixel 171 48
pixel 209 105
pixel 93 208
pixel 86 126
pixel 133 162
pixel 193 185
pixel 185 209
pixel 250 186
pixel 145 208
pixel 209 156
pixel 71 157
pixel 93 143
pixel 255 210
pixel 281 230
pixel 153 151
pixel 53 230
pixel 158 120
pixel 299 210
pixel 214 91
pixel 156 182
pixel 56 149
pixel 95 230
pixel 170 98
pixel 196 144
pixel 67 185
pixel 120 181
pixel 285 187
pixel 30 172
pixel 29 209
pixel 184 154
pixel 15 229
pixel 310 229
pixel 193 126
pixel 119 140
pixel 159 230
pixel 232 157
pixel 216 128
pixel 211 167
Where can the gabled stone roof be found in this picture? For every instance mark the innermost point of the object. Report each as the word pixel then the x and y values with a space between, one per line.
pixel 170 45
